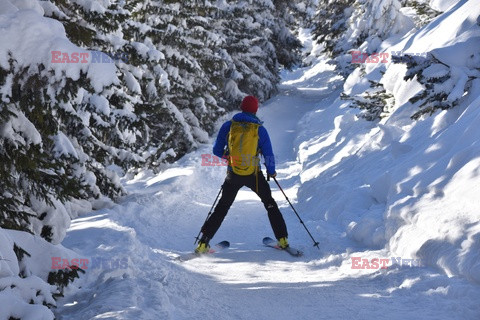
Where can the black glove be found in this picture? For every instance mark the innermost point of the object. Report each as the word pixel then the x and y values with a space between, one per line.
pixel 273 175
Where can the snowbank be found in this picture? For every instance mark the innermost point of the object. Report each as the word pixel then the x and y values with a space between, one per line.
pixel 28 296
pixel 405 185
pixel 33 39
pixel 28 41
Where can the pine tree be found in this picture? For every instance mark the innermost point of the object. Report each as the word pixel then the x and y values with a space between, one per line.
pixel 158 76
pixel 424 13
pixel 303 12
pixel 172 69
pixel 445 86
pixel 331 23
pixel 38 176
pixel 348 25
pixel 287 46
pixel 182 31
pixel 252 67
pixel 374 102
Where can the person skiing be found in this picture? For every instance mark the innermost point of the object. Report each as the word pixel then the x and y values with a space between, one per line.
pixel 241 140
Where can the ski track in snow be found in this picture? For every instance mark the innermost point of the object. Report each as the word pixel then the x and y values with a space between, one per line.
pixel 163 212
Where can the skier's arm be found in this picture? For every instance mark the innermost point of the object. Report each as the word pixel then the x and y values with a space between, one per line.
pixel 265 147
pixel 221 142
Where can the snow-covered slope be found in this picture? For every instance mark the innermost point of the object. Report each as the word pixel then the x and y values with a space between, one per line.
pixel 163 213
pixel 398 191
pixel 408 186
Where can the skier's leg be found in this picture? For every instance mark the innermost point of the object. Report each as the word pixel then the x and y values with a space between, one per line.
pixel 229 192
pixel 274 215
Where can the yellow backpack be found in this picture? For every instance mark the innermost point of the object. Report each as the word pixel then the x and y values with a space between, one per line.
pixel 243 147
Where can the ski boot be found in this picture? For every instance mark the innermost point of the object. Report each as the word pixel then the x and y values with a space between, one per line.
pixel 283 243
pixel 203 246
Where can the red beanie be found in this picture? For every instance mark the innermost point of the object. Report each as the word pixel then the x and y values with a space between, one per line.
pixel 249 104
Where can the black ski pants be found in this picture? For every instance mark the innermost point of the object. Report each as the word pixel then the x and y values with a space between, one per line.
pixel 232 184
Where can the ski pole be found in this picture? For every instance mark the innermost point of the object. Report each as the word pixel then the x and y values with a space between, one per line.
pixel 209 214
pixel 315 243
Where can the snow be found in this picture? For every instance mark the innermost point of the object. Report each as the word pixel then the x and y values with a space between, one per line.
pixel 25 5
pixel 101 104
pixel 442 5
pixel 56 216
pixel 400 190
pixel 7 266
pixel 132 83
pixel 339 173
pixel 445 34
pixel 63 146
pixel 17 308
pixel 40 37
pixel 93 5
pixel 26 297
pixel 20 124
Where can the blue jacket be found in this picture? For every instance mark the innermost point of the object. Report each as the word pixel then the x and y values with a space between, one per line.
pixel 264 143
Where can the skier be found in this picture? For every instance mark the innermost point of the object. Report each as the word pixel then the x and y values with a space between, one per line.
pixel 241 140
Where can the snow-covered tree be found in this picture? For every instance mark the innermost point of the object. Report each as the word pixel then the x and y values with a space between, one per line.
pixel 156 77
pixel 358 24
pixel 424 12
pixel 286 44
pixel 303 12
pixel 372 21
pixel 257 42
pixel 247 52
pixel 374 102
pixel 445 86
pixel 177 92
pixel 331 23
pixel 51 160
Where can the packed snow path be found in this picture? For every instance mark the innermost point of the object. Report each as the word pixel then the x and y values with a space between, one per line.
pixel 163 213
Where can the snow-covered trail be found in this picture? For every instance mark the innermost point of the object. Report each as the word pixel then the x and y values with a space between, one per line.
pixel 163 213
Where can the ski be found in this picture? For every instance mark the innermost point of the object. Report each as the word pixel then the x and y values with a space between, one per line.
pixel 192 255
pixel 269 242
